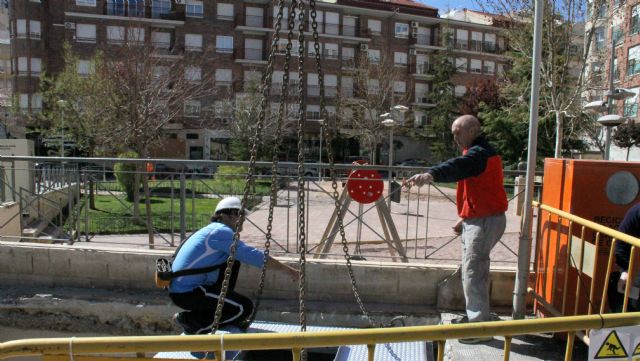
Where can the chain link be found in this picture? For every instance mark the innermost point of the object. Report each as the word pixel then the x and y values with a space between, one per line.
pixel 266 88
pixel 274 164
pixel 334 180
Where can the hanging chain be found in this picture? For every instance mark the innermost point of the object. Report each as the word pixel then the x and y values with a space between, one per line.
pixel 334 182
pixel 266 88
pixel 274 163
pixel 302 247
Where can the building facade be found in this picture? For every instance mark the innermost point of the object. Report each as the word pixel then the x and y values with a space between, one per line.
pixel 616 30
pixel 240 32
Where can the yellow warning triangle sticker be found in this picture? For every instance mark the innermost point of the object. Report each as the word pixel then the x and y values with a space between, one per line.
pixel 636 352
pixel 612 347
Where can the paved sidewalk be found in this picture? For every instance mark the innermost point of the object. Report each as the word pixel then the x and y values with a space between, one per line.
pixel 425 242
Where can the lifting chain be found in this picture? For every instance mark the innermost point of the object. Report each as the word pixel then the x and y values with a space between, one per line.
pixel 302 245
pixel 274 164
pixel 266 88
pixel 334 182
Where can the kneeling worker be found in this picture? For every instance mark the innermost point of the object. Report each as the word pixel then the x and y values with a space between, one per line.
pixel 198 294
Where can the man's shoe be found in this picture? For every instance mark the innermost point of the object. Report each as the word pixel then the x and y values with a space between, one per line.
pixel 474 340
pixel 463 319
pixel 180 319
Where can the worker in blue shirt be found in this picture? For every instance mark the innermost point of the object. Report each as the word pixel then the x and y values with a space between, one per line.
pixel 630 225
pixel 198 294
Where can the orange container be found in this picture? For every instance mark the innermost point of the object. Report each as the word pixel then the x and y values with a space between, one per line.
pixel 599 191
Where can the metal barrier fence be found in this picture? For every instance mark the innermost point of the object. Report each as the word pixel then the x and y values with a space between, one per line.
pixel 180 189
pixel 587 292
pixel 109 348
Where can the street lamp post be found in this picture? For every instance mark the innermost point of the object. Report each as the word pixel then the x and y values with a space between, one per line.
pixel 390 123
pixel 62 104
pixel 321 121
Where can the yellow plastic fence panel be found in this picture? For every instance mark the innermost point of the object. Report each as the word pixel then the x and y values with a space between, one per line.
pixel 99 358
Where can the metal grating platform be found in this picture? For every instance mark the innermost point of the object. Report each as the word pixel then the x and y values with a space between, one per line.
pixel 414 351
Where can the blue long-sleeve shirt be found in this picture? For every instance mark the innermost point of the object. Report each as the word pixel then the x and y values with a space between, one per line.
pixel 207 247
pixel 630 225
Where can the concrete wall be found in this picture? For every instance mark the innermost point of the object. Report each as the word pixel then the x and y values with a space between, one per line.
pixel 378 282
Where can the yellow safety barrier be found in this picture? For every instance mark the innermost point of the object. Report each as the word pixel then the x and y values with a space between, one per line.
pixel 107 348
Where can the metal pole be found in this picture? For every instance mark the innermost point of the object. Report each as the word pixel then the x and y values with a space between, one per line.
pixel 607 129
pixel 320 157
pixel 558 134
pixel 524 244
pixel 390 163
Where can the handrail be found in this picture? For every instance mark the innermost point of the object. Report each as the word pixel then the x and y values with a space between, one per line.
pixel 297 340
pixel 593 225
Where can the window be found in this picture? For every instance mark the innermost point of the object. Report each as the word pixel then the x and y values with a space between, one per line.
pixel 476 41
pixel 424 36
pixel 330 51
pixel 193 74
pixel 161 40
pixel 633 60
pixel 349 25
pixel 86 33
pixel 223 76
pixel 224 44
pixel 631 104
pixel 254 17
pixel 312 49
pixel 489 43
pixel 193 42
pixel 600 38
pixel 86 2
pixel 402 30
pixel 399 58
pixel 36 66
pixel 23 67
pixel 192 109
pixel 253 49
pixel 36 102
pixel 313 111
pixel 330 85
pixel 462 39
pixel 195 9
pixel 115 7
pixel 635 19
pixel 374 26
pixel 282 47
pixel 21 28
pixel 373 86
pixel 332 23
pixel 24 102
pixel 136 8
pixel 115 34
pixel 34 29
pixel 460 90
pixel 422 91
pixel 346 86
pixel 160 8
pixel 489 67
pixel 348 53
pixel 319 21
pixel 461 65
pixel 84 67
pixel 399 87
pixel 374 56
pixel 225 11
pixel 313 89
pixel 135 36
pixel 476 66
pixel 252 76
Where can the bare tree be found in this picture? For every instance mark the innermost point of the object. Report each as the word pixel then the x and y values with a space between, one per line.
pixel 376 88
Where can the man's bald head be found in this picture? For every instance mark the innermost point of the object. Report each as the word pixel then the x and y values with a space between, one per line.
pixel 465 130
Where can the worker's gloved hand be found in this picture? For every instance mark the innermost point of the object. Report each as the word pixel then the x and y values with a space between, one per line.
pixel 622 282
pixel 420 179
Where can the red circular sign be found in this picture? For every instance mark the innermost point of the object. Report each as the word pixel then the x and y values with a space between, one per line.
pixel 365 186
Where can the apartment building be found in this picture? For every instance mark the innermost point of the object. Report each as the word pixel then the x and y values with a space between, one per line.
pixel 615 23
pixel 241 32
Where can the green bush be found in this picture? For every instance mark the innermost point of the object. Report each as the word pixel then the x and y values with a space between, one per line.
pixel 125 174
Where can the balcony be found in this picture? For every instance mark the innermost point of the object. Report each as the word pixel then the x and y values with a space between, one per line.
pixel 424 68
pixel 349 30
pixel 475 45
pixel 85 39
pixel 348 62
pixel 330 91
pixel 490 48
pixel 330 53
pixel 35 35
pixel 254 21
pixel 313 90
pixel 331 29
pixel 461 44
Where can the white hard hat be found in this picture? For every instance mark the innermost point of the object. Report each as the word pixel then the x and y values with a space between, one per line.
pixel 228 203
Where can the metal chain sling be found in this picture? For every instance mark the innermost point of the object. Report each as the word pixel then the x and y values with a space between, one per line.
pixel 334 183
pixel 266 88
pixel 274 164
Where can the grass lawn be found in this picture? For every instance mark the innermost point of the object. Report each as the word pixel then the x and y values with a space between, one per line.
pixel 113 214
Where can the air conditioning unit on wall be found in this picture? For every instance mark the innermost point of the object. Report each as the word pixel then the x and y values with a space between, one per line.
pixel 69 25
pixel 364 47
pixel 413 51
pixel 414 24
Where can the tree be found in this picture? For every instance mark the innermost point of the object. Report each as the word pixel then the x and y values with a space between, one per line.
pixel 446 104
pixel 486 92
pixel 375 92
pixel 626 136
pixel 563 68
